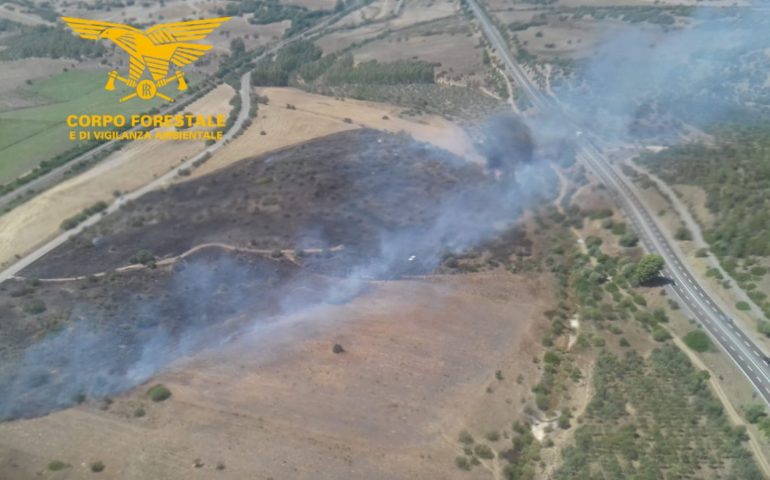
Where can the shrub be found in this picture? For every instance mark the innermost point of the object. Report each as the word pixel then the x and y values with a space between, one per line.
pixel 57 465
pixel 493 436
pixel 465 437
pixel 648 269
pixel 34 307
pixel 81 217
pixel 145 257
pixel 97 467
pixel 139 412
pixel 628 240
pixel 755 413
pixel 158 393
pixel 483 451
pixel 764 327
pixel 660 334
pixel 551 357
pixel 758 271
pixel 698 340
pixel 619 228
pixel 743 306
pixel 683 233
pixel 462 463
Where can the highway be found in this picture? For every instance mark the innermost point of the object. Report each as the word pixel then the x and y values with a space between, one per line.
pixel 704 306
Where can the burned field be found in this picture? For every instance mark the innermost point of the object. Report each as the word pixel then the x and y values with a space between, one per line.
pixel 343 190
pixel 188 267
pixel 71 341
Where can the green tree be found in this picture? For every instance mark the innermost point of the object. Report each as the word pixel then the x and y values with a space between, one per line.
pixel 237 47
pixel 754 413
pixel 698 341
pixel 648 269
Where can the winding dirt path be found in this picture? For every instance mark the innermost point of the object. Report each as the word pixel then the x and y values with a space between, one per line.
pixel 288 253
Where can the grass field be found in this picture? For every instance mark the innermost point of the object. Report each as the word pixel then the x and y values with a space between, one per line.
pixel 30 135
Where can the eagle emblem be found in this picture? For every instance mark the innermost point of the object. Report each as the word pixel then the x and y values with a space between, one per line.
pixel 153 50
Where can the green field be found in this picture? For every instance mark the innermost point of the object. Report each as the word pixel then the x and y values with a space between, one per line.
pixel 30 135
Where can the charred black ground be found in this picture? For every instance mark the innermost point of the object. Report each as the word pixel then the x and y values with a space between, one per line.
pixel 345 189
pixel 270 234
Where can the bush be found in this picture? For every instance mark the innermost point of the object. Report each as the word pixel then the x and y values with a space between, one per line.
pixel 465 437
pixel 660 334
pixel 698 340
pixel 493 436
pixel 34 307
pixel 551 357
pixel 683 233
pixel 648 269
pixel 755 413
pixel 462 463
pixel 158 393
pixel 628 240
pixel 57 465
pixel 764 327
pixel 743 306
pixel 483 451
pixel 97 467
pixel 144 257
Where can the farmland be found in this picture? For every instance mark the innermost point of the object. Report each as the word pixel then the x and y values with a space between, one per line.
pixel 34 134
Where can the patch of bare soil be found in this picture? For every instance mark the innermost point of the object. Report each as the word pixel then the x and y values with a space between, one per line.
pixel 277 402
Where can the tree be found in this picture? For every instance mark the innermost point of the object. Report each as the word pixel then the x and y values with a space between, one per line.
pixel 754 413
pixel 698 341
pixel 648 269
pixel 237 47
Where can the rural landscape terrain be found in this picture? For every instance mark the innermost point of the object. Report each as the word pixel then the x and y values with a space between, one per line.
pixel 429 239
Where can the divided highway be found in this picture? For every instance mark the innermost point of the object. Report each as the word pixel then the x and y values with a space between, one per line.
pixel 703 305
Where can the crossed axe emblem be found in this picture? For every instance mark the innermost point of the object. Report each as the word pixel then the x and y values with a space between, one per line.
pixel 146 89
